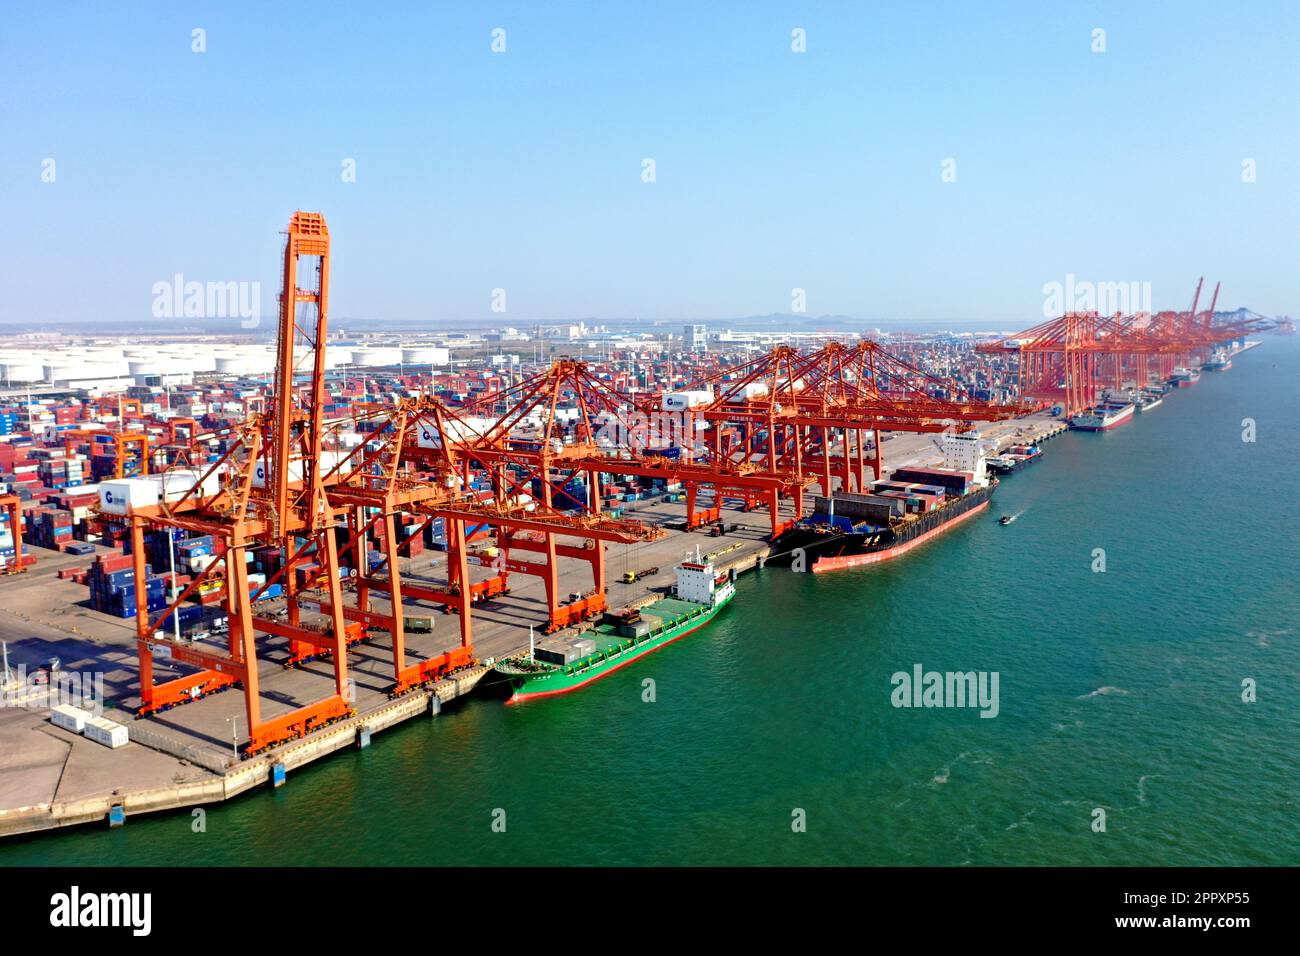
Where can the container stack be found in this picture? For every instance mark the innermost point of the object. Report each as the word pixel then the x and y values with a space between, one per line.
pixel 51 528
pixel 60 473
pixel 113 586
pixel 8 555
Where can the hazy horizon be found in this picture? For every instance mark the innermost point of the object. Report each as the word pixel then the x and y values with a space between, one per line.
pixel 855 161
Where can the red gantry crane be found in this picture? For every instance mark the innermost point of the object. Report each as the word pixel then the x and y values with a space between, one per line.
pixel 1072 358
pixel 818 416
pixel 290 485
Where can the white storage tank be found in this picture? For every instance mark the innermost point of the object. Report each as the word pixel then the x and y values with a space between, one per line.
pixel 417 356
pixel 203 360
pixel 425 355
pixel 230 364
pixel 376 356
pixel 22 371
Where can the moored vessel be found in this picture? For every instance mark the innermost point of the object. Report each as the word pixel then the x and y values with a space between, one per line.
pixel 558 665
pixel 1016 456
pixel 1220 362
pixel 1103 416
pixel 1147 400
pixel 848 530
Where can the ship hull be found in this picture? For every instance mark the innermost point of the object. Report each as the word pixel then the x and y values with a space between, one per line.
pixel 1101 422
pixel 833 551
pixel 564 680
pixel 1015 463
pixel 822 565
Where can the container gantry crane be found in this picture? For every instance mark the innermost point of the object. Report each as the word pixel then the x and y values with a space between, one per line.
pixel 1072 358
pixel 818 416
pixel 287 483
pixel 277 487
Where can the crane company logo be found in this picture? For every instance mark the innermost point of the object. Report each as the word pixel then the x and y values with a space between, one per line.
pixel 179 299
pixel 1104 298
pixel 949 689
pixel 74 909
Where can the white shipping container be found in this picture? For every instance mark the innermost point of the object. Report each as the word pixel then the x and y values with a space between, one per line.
pixel 199 563
pixel 69 718
pixel 177 483
pixel 104 731
pixel 328 459
pixel 120 496
pixel 680 401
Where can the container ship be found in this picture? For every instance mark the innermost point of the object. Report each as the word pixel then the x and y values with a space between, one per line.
pixel 850 530
pixel 1221 362
pixel 1147 399
pixel 560 665
pixel 1185 377
pixel 1017 456
pixel 1103 416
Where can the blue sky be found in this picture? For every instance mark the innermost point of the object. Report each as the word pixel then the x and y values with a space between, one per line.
pixel 774 170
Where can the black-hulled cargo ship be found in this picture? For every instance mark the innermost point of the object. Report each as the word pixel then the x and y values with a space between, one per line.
pixel 828 542
pixel 914 505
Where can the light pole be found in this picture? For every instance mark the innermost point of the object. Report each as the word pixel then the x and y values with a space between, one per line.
pixel 171 561
pixel 234 735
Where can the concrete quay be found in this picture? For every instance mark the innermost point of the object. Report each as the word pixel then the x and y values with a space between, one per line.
pixel 186 757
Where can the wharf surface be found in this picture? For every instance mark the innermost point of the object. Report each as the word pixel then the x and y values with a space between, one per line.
pixel 185 757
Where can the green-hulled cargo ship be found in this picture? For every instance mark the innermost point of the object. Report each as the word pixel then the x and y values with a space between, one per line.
pixel 559 665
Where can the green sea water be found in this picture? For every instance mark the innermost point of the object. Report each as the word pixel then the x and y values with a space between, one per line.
pixel 1119 690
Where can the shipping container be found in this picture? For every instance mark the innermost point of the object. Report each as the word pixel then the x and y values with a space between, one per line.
pixel 106 732
pixel 69 718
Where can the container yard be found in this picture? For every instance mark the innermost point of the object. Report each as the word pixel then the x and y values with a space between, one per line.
pixel 270 552
pixel 648 438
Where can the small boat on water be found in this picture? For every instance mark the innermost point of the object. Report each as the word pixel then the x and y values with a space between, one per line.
pixel 1007 519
